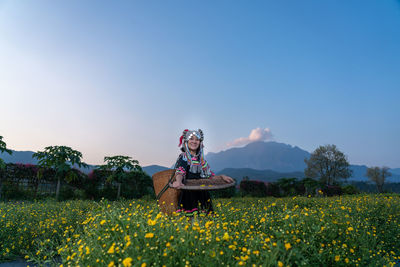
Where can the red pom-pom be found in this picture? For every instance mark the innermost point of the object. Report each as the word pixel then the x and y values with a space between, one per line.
pixel 180 139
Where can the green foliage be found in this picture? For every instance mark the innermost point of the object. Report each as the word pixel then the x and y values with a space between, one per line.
pixel 310 186
pixel 288 186
pixel 119 166
pixel 121 169
pixel 224 193
pixel 328 164
pixel 350 189
pixel 3 148
pixel 253 188
pixel 136 185
pixel 61 159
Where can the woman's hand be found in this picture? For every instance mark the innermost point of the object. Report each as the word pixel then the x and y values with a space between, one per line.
pixel 227 179
pixel 176 184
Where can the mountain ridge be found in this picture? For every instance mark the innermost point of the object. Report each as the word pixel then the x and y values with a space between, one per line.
pixel 242 161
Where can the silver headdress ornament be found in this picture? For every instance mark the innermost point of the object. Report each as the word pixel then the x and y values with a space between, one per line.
pixel 187 134
pixel 199 165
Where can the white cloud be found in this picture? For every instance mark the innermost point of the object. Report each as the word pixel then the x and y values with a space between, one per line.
pixel 257 134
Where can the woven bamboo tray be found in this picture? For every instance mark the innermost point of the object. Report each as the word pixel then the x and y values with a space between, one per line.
pixel 216 183
pixel 168 201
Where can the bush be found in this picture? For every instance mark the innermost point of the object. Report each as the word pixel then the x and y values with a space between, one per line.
pixel 66 192
pixel 224 193
pixel 253 188
pixel 332 190
pixel 350 189
pixel 272 190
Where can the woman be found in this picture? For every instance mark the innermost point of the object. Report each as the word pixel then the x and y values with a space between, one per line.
pixel 192 165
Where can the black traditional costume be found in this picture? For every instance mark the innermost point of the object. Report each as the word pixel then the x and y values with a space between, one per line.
pixel 193 167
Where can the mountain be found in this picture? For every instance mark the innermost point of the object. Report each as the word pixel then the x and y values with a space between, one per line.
pixel 274 156
pixel 395 171
pixel 152 169
pixel 258 160
pixel 261 175
pixel 19 157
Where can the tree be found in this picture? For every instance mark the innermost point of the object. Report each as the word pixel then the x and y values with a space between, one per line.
pixel 287 186
pixel 61 159
pixel 378 175
pixel 310 186
pixel 120 166
pixel 3 148
pixel 328 164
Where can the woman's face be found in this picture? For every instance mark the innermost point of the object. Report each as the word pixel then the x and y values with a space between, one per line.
pixel 193 143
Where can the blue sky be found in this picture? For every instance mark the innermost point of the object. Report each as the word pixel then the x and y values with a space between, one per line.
pixel 110 78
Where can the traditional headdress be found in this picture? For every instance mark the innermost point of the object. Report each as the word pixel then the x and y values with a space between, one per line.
pixel 197 163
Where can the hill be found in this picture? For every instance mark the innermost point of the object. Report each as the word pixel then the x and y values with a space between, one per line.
pixel 265 161
pixel 274 156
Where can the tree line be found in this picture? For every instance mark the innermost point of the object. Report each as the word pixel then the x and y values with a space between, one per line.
pixel 326 170
pixel 57 164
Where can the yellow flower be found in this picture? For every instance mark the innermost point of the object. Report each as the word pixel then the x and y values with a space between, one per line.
pixel 149 235
pixel 143 264
pixel 350 228
pixel 111 264
pixel 225 237
pixel 168 244
pixel 102 222
pixel 127 262
pixel 287 246
pixel 337 258
pixel 280 264
pixel 151 222
pixel 262 220
pixel 111 249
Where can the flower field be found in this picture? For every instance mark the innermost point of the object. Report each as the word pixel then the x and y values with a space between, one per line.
pixel 361 230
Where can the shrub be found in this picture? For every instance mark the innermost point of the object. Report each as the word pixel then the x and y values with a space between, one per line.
pixel 253 188
pixel 350 189
pixel 332 190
